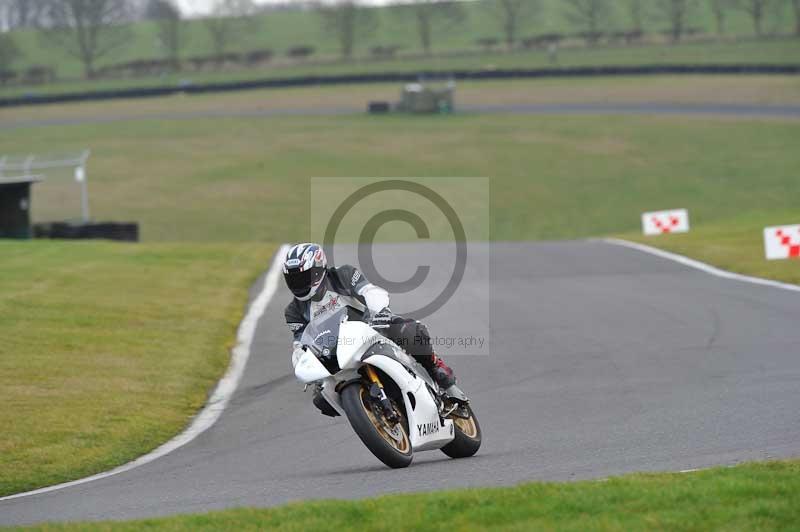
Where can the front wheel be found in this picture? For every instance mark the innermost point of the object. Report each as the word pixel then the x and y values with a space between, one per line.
pixel 468 436
pixel 389 443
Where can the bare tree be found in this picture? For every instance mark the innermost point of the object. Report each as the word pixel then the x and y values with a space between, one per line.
pixel 9 52
pixel 5 15
pixel 430 15
pixel 24 13
pixel 153 9
pixel 637 10
pixel 88 29
pixel 777 15
pixel 720 8
pixel 513 14
pixel 676 12
pixel 349 22
pixel 169 28
pixel 230 22
pixel 590 15
pixel 757 9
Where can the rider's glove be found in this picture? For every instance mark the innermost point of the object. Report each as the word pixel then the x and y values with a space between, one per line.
pixel 383 319
pixel 297 353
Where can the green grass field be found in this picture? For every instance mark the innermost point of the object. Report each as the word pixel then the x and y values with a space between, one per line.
pixel 109 349
pixel 240 179
pixel 746 497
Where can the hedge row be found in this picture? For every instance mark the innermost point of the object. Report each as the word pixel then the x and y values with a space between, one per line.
pixel 399 77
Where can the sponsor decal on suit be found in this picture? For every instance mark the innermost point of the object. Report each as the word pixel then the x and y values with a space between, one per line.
pixel 330 305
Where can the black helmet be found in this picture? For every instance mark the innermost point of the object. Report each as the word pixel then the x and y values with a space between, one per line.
pixel 304 270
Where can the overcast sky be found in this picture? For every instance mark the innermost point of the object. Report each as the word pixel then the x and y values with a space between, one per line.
pixel 196 7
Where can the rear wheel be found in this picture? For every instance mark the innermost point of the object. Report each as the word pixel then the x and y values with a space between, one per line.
pixel 468 435
pixel 388 442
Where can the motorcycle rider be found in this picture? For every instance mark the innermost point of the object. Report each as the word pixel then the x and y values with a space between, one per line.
pixel 319 290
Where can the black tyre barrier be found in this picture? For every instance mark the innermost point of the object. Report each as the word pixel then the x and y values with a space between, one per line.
pixel 376 108
pixel 125 232
pixel 396 77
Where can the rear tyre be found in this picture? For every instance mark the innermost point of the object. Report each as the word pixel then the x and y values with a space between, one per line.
pixel 390 445
pixel 468 437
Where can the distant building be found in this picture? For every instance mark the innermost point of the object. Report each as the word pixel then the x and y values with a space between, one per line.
pixel 15 206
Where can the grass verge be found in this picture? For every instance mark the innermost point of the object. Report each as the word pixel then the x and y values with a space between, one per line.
pixel 746 497
pixel 109 349
pixel 734 245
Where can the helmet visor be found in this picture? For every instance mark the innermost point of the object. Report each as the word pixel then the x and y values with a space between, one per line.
pixel 300 283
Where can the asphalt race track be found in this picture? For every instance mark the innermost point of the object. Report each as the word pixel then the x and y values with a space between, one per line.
pixel 604 360
pixel 735 110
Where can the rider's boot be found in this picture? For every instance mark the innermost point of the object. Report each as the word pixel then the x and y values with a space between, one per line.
pixel 446 379
pixel 441 373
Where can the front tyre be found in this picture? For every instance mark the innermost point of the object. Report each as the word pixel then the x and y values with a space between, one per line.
pixel 391 445
pixel 468 436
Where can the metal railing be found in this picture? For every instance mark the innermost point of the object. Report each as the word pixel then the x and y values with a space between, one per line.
pixel 30 163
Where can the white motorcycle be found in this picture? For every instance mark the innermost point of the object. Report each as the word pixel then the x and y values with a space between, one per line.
pixel 391 401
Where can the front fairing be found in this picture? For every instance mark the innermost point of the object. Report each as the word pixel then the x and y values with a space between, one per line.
pixel 321 338
pixel 355 337
pixel 322 333
pixel 309 369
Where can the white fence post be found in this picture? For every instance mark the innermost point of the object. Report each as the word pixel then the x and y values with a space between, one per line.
pixel 84 186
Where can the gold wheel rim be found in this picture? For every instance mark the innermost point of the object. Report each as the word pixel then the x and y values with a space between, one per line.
pixel 404 445
pixel 466 426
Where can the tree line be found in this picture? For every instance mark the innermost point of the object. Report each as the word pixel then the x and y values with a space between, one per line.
pixel 91 30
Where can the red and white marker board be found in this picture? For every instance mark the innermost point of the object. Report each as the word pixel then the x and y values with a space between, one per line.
pixel 782 242
pixel 664 222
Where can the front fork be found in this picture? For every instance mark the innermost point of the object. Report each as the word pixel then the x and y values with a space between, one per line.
pixel 378 394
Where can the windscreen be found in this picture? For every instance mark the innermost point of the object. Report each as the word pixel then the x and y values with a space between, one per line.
pixel 322 334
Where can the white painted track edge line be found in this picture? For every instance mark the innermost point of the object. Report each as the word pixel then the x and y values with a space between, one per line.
pixel 702 266
pixel 219 399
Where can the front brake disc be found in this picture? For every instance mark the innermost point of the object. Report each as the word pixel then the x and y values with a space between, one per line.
pixel 396 433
